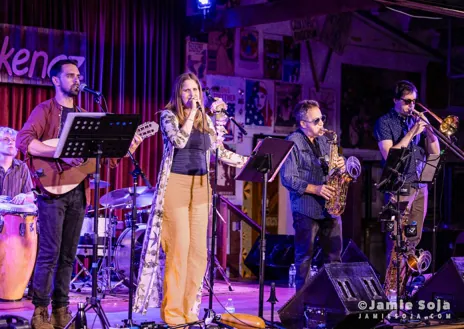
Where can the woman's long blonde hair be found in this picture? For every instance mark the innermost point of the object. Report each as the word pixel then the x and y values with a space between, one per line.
pixel 176 106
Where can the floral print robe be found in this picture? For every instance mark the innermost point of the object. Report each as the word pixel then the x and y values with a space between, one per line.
pixel 149 291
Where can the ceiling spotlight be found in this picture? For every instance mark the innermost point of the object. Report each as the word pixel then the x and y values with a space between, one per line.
pixel 204 4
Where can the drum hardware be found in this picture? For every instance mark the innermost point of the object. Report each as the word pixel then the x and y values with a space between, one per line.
pixel 103 184
pixel 86 282
pixel 106 271
pixel 138 199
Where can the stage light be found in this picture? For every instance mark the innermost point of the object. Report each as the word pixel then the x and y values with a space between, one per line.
pixel 204 4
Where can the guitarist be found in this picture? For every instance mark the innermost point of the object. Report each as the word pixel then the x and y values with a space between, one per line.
pixel 60 217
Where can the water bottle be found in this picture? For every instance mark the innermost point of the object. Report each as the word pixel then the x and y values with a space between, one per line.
pixel 81 320
pixel 230 306
pixel 291 276
pixel 392 296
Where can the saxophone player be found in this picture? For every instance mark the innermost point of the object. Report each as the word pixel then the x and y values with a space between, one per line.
pixel 397 129
pixel 304 174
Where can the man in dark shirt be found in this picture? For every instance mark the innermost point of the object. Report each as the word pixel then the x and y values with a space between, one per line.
pixel 15 178
pixel 60 217
pixel 304 174
pixel 398 129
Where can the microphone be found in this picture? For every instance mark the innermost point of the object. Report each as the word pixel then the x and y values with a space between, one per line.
pixel 212 100
pixel 83 87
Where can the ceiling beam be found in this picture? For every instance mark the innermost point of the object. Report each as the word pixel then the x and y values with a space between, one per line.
pixel 422 6
pixel 277 11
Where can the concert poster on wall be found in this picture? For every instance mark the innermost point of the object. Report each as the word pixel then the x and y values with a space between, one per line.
pixel 291 60
pixel 248 53
pixel 231 90
pixel 287 95
pixel 259 107
pixel 221 52
pixel 272 60
pixel 196 58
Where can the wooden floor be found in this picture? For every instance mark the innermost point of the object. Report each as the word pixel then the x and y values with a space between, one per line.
pixel 245 297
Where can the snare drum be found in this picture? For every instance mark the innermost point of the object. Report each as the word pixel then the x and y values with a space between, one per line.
pixel 85 245
pixel 18 248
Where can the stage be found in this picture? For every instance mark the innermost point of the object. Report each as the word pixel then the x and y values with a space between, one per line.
pixel 245 298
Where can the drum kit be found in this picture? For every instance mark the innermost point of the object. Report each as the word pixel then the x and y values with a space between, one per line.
pixel 114 257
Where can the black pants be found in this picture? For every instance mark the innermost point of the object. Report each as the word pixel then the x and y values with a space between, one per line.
pixel 60 221
pixel 330 239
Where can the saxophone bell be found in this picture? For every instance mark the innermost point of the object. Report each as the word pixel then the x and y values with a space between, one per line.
pixel 420 262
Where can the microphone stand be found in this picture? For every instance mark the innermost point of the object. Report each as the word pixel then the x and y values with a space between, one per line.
pixel 135 173
pixel 210 315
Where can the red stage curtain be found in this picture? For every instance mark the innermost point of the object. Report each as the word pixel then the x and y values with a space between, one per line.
pixel 135 50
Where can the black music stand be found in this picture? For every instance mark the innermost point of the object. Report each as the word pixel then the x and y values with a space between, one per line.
pixel 265 161
pixel 429 176
pixel 96 135
pixel 392 181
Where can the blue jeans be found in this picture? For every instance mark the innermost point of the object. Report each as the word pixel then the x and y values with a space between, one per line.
pixel 307 229
pixel 60 221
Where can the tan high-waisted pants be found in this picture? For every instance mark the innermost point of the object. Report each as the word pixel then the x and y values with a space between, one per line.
pixel 183 238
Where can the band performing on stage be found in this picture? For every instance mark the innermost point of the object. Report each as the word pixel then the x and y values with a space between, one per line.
pixel 49 198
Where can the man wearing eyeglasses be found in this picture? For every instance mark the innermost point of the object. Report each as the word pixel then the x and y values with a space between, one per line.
pixel 304 174
pixel 15 178
pixel 397 129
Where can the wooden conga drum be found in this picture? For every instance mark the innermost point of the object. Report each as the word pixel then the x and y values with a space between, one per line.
pixel 18 248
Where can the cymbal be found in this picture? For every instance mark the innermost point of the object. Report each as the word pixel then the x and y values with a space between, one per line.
pixel 122 198
pixel 103 184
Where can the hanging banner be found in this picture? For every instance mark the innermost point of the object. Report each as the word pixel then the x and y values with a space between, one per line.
pixel 28 53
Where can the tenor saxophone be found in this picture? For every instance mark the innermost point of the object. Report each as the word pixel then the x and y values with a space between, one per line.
pixel 339 180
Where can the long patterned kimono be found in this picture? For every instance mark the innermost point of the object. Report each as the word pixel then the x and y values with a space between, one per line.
pixel 149 291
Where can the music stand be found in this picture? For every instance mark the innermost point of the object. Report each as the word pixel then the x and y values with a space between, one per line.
pixel 265 161
pixel 392 181
pixel 428 175
pixel 96 135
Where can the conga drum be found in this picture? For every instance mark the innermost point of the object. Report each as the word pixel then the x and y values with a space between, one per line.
pixel 18 248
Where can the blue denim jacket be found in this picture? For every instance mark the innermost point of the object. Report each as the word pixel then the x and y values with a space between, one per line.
pixel 303 167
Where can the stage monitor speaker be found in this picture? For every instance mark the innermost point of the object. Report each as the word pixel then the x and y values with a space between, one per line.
pixel 280 254
pixel 446 285
pixel 336 297
pixel 352 254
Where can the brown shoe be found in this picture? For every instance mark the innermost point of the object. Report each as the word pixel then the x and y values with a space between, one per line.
pixel 40 318
pixel 61 317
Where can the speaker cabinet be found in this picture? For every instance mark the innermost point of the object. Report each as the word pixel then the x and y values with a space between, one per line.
pixel 333 297
pixel 446 285
pixel 280 254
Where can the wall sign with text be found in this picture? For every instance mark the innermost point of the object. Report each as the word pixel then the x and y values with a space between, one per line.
pixel 27 53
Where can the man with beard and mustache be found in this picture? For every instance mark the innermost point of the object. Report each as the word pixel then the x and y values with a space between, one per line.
pixel 60 217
